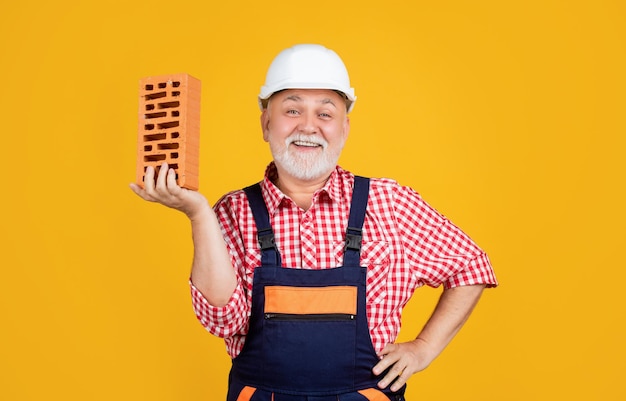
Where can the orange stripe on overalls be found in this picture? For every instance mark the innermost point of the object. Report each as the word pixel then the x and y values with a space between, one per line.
pixel 246 393
pixel 373 395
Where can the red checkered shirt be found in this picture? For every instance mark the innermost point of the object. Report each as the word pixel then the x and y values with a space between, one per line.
pixel 406 244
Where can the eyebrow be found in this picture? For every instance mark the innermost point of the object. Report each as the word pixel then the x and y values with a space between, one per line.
pixel 297 98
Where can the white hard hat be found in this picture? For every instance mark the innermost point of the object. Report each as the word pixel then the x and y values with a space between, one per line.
pixel 307 66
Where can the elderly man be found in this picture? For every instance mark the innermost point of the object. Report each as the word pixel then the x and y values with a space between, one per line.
pixel 305 274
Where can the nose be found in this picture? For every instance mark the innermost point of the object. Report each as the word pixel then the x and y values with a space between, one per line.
pixel 308 123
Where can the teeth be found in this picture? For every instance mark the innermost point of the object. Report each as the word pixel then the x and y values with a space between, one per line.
pixel 309 144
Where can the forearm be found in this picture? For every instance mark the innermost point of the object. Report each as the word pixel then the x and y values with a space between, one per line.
pixel 212 272
pixel 452 311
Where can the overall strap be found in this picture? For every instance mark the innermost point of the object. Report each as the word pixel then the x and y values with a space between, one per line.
pixel 354 233
pixel 269 251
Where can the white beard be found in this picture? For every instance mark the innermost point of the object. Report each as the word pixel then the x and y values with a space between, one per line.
pixel 306 166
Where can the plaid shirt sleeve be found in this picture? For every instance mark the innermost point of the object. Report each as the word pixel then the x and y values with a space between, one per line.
pixel 219 321
pixel 438 251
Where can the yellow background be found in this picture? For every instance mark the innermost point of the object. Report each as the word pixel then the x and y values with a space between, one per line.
pixel 508 117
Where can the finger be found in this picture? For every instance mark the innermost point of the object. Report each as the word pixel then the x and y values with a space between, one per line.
pixel 160 183
pixel 382 366
pixel 148 179
pixel 388 349
pixel 394 374
pixel 137 189
pixel 141 192
pixel 401 380
pixel 171 181
pixel 386 359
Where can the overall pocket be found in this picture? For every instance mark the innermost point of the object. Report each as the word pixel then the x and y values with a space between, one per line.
pixel 309 338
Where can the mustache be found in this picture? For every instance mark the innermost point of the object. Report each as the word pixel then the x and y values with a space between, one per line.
pixel 312 139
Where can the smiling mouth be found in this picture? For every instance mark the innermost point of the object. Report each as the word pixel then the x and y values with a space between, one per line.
pixel 306 144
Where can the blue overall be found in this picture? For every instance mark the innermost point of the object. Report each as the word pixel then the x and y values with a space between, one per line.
pixel 308 355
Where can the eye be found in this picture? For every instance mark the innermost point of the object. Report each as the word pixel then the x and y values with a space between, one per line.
pixel 325 115
pixel 292 112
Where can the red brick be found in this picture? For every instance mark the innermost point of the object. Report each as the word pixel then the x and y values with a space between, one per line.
pixel 169 126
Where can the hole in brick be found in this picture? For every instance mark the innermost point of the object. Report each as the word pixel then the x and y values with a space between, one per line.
pixel 175 113
pixel 170 124
pixel 162 85
pixel 153 158
pixel 175 135
pixel 156 115
pixel 155 95
pixel 168 105
pixel 175 93
pixel 176 84
pixel 168 146
pixel 147 148
pixel 154 137
pixel 174 155
pixel 149 107
pixel 149 127
pixel 149 87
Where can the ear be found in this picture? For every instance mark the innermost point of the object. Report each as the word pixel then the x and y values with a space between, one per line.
pixel 265 121
pixel 346 128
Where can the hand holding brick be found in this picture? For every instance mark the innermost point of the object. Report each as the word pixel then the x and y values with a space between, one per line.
pixel 169 127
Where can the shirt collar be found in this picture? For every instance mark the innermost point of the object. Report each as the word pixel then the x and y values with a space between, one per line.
pixel 274 196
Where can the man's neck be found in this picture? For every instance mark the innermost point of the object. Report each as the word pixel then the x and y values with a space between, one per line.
pixel 301 192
